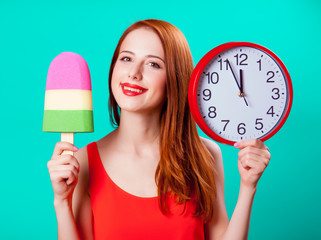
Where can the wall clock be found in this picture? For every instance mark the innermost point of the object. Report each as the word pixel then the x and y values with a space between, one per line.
pixel 240 90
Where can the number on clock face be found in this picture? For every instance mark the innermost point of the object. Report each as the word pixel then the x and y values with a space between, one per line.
pixel 242 93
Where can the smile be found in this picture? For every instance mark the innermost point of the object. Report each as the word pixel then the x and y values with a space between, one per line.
pixel 132 89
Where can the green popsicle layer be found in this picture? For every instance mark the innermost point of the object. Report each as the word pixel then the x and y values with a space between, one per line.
pixel 68 121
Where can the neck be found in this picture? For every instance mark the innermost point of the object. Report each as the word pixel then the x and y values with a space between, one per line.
pixel 139 132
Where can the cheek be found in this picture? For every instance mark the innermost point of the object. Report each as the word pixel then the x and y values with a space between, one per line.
pixel 160 82
pixel 160 88
pixel 117 75
pixel 114 84
pixel 115 72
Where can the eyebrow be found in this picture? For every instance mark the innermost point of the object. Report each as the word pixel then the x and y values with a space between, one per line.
pixel 148 56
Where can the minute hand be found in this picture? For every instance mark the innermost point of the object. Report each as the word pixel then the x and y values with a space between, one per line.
pixel 237 83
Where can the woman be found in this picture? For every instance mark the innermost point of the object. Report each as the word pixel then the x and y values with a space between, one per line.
pixel 153 177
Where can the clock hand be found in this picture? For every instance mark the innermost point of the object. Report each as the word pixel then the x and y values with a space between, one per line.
pixel 241 93
pixel 228 62
pixel 237 83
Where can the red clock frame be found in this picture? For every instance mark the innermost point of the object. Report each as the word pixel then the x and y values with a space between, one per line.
pixel 192 90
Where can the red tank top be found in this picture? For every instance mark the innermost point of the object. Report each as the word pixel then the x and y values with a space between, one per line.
pixel 119 215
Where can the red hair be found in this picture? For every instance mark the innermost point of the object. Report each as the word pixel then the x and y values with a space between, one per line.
pixel 186 167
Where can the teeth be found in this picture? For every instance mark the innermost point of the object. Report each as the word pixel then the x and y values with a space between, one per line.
pixel 133 89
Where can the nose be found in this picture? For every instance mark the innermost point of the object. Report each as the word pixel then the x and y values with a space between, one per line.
pixel 135 72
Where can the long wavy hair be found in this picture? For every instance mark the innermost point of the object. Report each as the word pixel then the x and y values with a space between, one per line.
pixel 186 167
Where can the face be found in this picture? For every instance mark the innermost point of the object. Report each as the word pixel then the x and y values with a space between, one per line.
pixel 139 75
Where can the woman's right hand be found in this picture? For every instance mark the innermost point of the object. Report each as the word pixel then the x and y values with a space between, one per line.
pixel 63 171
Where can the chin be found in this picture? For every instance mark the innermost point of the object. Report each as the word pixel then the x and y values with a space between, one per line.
pixel 133 104
pixel 140 109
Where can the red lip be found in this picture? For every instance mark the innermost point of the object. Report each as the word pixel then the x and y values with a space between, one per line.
pixel 131 93
pixel 133 86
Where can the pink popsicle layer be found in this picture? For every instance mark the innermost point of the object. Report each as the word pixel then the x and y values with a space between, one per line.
pixel 68 71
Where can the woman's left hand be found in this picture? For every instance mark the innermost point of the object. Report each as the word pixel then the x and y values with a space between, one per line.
pixel 253 158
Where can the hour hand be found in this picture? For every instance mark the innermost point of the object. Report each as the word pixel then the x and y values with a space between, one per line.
pixel 241 93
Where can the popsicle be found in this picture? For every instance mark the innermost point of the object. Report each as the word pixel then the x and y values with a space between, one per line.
pixel 68 97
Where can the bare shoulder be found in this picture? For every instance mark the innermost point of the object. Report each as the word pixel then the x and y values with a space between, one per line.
pixel 82 156
pixel 213 147
pixel 216 152
pixel 83 177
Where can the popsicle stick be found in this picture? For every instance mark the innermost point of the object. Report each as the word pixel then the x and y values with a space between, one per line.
pixel 67 137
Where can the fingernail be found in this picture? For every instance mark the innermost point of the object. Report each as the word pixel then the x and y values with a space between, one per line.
pixel 75 148
pixel 236 144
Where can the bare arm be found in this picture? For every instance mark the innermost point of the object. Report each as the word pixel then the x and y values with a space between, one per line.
pixel 71 201
pixel 238 227
pixel 253 158
pixel 81 199
pixel 67 228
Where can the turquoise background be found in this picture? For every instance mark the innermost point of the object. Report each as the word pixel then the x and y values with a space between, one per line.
pixel 32 33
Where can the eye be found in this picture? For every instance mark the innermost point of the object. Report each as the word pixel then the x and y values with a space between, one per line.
pixel 125 59
pixel 155 65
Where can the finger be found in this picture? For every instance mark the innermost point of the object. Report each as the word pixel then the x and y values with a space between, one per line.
pixel 248 163
pixel 258 170
pixel 59 173
pixel 63 175
pixel 64 160
pixel 254 161
pixel 72 179
pixel 63 168
pixel 68 159
pixel 63 146
pixel 248 151
pixel 252 167
pixel 250 142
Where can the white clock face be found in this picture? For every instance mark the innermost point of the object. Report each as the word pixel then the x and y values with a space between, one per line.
pixel 242 93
